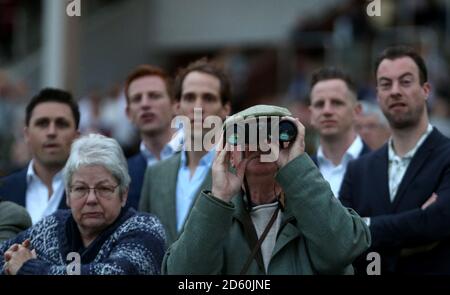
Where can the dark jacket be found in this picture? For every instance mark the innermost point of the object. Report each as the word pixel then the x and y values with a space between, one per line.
pixel 13 188
pixel 409 239
pixel 133 244
pixel 137 165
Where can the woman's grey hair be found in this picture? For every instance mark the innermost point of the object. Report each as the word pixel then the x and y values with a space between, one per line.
pixel 98 150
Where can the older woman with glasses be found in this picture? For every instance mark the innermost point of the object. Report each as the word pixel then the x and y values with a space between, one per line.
pixel 98 235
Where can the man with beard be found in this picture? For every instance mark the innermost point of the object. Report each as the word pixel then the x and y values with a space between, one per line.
pixel 51 124
pixel 403 189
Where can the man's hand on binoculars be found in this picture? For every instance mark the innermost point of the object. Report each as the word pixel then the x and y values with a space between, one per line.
pixel 225 184
pixel 294 149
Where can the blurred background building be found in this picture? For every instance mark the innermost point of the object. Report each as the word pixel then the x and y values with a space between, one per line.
pixel 269 48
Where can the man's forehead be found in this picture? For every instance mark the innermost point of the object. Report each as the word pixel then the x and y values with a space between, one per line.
pixel 328 84
pixel 52 110
pixel 149 82
pixel 393 68
pixel 200 79
pixel 330 89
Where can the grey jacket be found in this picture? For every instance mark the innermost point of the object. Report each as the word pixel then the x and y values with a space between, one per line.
pixel 158 194
pixel 13 220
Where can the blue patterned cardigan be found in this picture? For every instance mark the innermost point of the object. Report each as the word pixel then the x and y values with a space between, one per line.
pixel 134 244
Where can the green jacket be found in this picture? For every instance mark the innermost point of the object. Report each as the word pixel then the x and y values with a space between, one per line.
pixel 317 234
pixel 158 195
pixel 13 220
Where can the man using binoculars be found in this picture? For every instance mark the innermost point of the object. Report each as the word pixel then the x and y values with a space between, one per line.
pixel 267 217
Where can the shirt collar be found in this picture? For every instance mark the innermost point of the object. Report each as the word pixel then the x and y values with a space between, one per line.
pixel 30 172
pixel 174 145
pixel 355 149
pixel 392 154
pixel 32 176
pixel 145 152
pixel 352 152
pixel 206 160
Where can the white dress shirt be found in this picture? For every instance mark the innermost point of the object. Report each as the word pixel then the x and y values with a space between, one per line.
pixel 37 202
pixel 335 174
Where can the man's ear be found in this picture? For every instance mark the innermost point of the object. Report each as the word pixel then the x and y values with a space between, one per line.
pixel 357 109
pixel 26 135
pixel 127 112
pixel 310 110
pixel 226 110
pixel 176 108
pixel 427 89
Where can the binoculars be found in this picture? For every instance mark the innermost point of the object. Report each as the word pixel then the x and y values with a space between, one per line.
pixel 256 131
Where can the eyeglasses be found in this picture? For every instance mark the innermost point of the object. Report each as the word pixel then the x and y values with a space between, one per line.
pixel 103 191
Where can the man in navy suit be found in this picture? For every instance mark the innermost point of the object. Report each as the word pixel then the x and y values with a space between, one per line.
pixel 150 107
pixel 334 107
pixel 51 124
pixel 402 190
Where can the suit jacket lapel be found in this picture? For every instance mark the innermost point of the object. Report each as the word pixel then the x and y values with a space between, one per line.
pixel 20 195
pixel 169 173
pixel 364 150
pixel 379 175
pixel 415 165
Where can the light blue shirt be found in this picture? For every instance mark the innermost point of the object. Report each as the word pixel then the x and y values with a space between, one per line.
pixel 188 186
